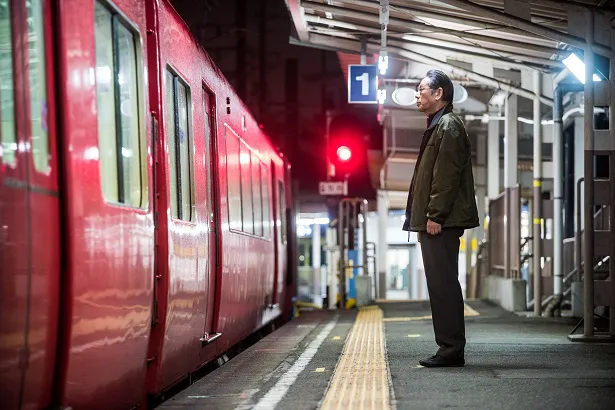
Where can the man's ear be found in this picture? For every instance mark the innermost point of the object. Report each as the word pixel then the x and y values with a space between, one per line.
pixel 438 93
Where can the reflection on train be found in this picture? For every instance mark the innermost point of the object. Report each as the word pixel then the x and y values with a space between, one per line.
pixel 143 212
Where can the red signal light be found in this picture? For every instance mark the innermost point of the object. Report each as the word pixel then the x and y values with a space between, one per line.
pixel 344 153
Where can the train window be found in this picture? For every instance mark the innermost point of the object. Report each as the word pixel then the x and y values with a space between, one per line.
pixel 181 148
pixel 233 178
pixel 282 210
pixel 8 138
pixel 257 196
pixel 246 189
pixel 119 99
pixel 38 85
pixel 266 199
pixel 105 99
pixel 129 117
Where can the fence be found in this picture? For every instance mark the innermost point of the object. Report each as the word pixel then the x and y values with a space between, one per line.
pixel 503 234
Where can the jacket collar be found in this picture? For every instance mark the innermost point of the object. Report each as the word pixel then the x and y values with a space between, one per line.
pixel 433 120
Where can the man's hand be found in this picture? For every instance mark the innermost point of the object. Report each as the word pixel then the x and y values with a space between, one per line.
pixel 433 228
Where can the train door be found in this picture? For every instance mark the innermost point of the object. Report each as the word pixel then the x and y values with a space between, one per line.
pixel 212 257
pixel 107 203
pixel 29 206
pixel 280 237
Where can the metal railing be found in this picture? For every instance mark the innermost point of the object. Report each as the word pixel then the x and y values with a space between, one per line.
pixel 503 234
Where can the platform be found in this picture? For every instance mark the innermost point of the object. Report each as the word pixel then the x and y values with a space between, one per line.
pixel 512 362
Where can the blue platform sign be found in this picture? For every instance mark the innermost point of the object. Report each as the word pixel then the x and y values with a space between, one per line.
pixel 362 84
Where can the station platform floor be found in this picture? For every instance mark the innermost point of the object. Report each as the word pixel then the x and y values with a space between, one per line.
pixel 368 359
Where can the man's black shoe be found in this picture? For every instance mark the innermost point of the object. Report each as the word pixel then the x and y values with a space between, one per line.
pixel 438 361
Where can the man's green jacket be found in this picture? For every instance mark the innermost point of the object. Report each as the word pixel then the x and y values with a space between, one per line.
pixel 442 187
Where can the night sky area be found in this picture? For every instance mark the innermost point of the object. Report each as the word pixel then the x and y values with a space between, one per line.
pixel 288 88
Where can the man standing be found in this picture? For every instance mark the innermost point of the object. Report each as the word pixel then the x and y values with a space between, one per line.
pixel 441 204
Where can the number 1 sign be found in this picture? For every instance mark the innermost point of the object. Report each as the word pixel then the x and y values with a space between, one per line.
pixel 362 84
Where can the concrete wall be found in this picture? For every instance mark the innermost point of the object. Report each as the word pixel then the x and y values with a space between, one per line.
pixel 508 293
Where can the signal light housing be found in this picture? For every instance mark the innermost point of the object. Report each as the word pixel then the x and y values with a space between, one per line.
pixel 343 153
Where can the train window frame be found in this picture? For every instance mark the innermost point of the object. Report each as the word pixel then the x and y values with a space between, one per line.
pixel 4 142
pixel 282 211
pixel 253 155
pixel 257 196
pixel 265 188
pixel 246 190
pixel 209 107
pixel 231 213
pixel 36 51
pixel 179 80
pixel 121 199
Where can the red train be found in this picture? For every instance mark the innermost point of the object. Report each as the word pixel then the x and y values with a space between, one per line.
pixel 144 215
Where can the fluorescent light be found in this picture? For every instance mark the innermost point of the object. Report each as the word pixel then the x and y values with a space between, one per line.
pixel 383 62
pixel 321 221
pixel 382 96
pixel 577 67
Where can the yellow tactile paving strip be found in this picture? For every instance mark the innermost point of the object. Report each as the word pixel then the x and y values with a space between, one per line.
pixel 467 312
pixel 360 380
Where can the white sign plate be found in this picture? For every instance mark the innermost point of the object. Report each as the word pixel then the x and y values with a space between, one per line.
pixel 333 188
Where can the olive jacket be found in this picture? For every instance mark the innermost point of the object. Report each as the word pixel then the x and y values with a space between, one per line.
pixel 442 187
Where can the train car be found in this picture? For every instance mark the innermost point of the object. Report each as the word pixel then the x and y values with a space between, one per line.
pixel 144 215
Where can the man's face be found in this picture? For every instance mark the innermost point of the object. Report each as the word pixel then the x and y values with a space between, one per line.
pixel 427 99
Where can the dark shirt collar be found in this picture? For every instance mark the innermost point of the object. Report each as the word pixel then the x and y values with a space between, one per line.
pixel 433 119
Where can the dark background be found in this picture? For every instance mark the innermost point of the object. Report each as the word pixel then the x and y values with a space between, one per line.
pixel 288 88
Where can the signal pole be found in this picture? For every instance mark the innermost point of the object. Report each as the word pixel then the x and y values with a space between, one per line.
pixel 330 171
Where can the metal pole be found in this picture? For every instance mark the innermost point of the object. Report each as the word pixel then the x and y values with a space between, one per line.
pixel 363 207
pixel 537 227
pixel 558 178
pixel 329 172
pixel 510 176
pixel 341 243
pixel 493 159
pixel 316 262
pixel 579 234
pixel 588 240
pixel 383 221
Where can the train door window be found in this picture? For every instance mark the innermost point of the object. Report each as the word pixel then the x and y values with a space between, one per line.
pixel 208 104
pixel 282 210
pixel 257 196
pixel 266 199
pixel 119 102
pixel 181 148
pixel 246 190
pixel 38 85
pixel 8 136
pixel 233 178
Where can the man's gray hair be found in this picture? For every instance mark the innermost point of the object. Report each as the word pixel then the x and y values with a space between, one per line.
pixel 438 79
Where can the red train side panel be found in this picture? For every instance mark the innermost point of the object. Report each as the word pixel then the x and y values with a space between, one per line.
pixel 29 208
pixel 173 232
pixel 108 215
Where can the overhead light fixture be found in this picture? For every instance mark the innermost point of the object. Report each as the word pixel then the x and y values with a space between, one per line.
pixel 382 96
pixel 404 96
pixel 577 67
pixel 383 62
pixel 460 94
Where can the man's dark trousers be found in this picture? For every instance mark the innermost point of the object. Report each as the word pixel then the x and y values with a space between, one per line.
pixel 441 262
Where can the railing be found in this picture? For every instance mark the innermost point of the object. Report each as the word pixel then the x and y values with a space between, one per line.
pixel 479 270
pixel 503 234
pixel 573 258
